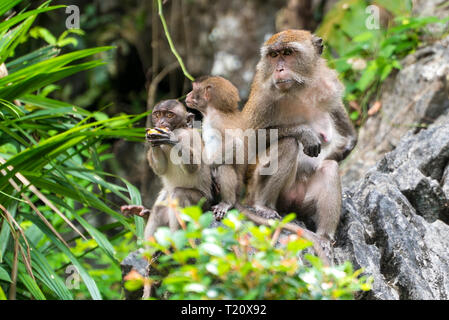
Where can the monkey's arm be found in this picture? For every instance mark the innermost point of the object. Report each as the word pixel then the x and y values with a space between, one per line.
pixel 304 134
pixel 193 148
pixel 229 185
pixel 157 160
pixel 344 127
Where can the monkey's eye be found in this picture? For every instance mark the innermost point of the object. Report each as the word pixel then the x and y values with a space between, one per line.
pixel 273 54
pixel 170 115
pixel 157 114
pixel 287 52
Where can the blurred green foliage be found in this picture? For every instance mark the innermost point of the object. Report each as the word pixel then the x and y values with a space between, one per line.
pixel 239 260
pixel 365 57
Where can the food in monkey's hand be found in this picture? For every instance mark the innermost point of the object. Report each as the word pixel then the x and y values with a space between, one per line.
pixel 157 134
pixel 150 131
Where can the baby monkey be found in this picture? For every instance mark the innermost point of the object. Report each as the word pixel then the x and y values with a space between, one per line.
pixel 217 99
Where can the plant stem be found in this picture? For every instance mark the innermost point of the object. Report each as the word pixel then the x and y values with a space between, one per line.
pixel 170 42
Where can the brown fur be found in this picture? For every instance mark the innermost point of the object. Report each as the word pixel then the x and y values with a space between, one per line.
pixel 289 36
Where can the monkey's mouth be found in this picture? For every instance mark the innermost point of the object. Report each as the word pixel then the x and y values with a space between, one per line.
pixel 284 81
pixel 284 84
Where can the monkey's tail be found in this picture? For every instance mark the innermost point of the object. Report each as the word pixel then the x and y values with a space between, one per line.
pixel 306 234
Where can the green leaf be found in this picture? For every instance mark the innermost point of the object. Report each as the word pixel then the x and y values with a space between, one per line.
pixel 363 37
pixel 163 236
pixel 6 5
pixel 368 76
pixel 134 193
pixel 213 249
pixel 34 57
pixel 179 239
pixel 386 71
pixel 51 64
pixel 14 20
pixel 47 275
pixel 206 219
pixel 288 218
pixel 2 294
pixel 31 285
pixel 4 275
pixel 88 281
pixel 192 213
pixel 101 240
pixel 354 115
pixel 40 80
pixel 5 231
pixel 43 33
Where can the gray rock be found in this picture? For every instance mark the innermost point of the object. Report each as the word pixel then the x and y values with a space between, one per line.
pixel 134 261
pixel 393 220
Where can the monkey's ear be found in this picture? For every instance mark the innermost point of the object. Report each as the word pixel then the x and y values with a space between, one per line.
pixel 190 118
pixel 207 92
pixel 318 43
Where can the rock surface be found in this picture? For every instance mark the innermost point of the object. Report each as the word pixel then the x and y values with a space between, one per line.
pixel 394 220
pixel 134 261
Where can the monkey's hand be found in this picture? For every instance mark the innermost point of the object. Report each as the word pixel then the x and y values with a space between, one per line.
pixel 311 142
pixel 163 137
pixel 220 210
pixel 133 210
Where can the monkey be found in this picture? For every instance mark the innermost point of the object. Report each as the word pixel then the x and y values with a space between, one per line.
pixel 217 99
pixel 293 90
pixel 187 182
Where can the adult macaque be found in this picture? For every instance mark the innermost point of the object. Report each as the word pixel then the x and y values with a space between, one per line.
pixel 217 99
pixel 294 91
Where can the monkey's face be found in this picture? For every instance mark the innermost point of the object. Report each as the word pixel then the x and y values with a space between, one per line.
pixel 197 98
pixel 288 59
pixel 169 115
pixel 289 65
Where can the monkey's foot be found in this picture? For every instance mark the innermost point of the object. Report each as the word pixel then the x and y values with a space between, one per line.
pixel 220 210
pixel 328 249
pixel 134 210
pixel 266 212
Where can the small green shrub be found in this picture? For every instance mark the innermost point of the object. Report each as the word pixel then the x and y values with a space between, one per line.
pixel 239 261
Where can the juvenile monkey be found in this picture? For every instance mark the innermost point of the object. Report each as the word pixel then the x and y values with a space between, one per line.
pixel 187 181
pixel 294 91
pixel 217 99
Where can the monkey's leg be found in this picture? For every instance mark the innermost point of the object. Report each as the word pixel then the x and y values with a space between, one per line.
pixel 186 197
pixel 228 181
pixel 158 218
pixel 324 191
pixel 265 189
